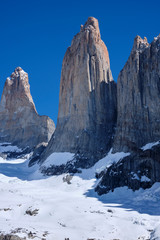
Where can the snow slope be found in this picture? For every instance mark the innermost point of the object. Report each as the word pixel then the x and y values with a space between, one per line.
pixel 65 211
pixel 102 164
pixel 74 211
pixel 58 159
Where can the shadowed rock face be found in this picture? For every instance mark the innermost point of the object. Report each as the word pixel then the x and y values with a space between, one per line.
pixel 138 120
pixel 139 170
pixel 87 101
pixel 138 97
pixel 20 123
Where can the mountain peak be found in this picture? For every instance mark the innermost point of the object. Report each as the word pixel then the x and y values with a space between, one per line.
pixel 19 121
pixel 17 87
pixel 18 69
pixel 140 43
pixel 91 21
pixel 87 99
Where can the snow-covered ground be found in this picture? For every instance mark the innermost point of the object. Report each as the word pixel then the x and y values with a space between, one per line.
pixel 58 159
pixel 32 205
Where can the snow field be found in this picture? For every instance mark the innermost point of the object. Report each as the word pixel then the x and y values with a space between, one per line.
pixel 64 210
pixel 49 208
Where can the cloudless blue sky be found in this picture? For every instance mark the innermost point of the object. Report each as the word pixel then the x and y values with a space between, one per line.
pixel 34 34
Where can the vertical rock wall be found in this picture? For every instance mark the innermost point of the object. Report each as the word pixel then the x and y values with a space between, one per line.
pixel 138 97
pixel 87 101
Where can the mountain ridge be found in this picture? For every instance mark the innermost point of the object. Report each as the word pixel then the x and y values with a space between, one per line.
pixel 96 114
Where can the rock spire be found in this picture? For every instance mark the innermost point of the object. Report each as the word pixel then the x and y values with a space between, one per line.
pixel 87 100
pixel 20 123
pixel 138 97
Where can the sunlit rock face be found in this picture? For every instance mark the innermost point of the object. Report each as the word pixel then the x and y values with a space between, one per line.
pixel 87 100
pixel 138 97
pixel 20 123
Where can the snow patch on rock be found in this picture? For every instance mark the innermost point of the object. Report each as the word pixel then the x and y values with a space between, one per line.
pixel 150 145
pixel 135 176
pixel 102 164
pixel 145 179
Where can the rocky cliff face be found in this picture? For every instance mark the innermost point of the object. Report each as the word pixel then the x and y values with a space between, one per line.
pixel 138 120
pixel 138 97
pixel 20 123
pixel 87 102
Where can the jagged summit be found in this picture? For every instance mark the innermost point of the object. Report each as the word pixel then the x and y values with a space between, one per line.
pixel 18 73
pixel 90 36
pixel 17 87
pixel 91 24
pixel 20 123
pixel 92 21
pixel 18 70
pixel 140 44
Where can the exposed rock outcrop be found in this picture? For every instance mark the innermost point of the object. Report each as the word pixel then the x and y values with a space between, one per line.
pixel 20 123
pixel 87 101
pixel 10 237
pixel 139 170
pixel 138 97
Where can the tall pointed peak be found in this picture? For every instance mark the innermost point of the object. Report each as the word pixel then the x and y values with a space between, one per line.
pixel 20 123
pixel 87 100
pixel 17 91
pixel 89 35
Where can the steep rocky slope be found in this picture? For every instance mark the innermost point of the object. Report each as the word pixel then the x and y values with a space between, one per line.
pixel 138 97
pixel 138 170
pixel 87 101
pixel 138 120
pixel 20 123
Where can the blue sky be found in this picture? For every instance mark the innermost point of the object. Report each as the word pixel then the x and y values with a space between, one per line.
pixel 34 34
